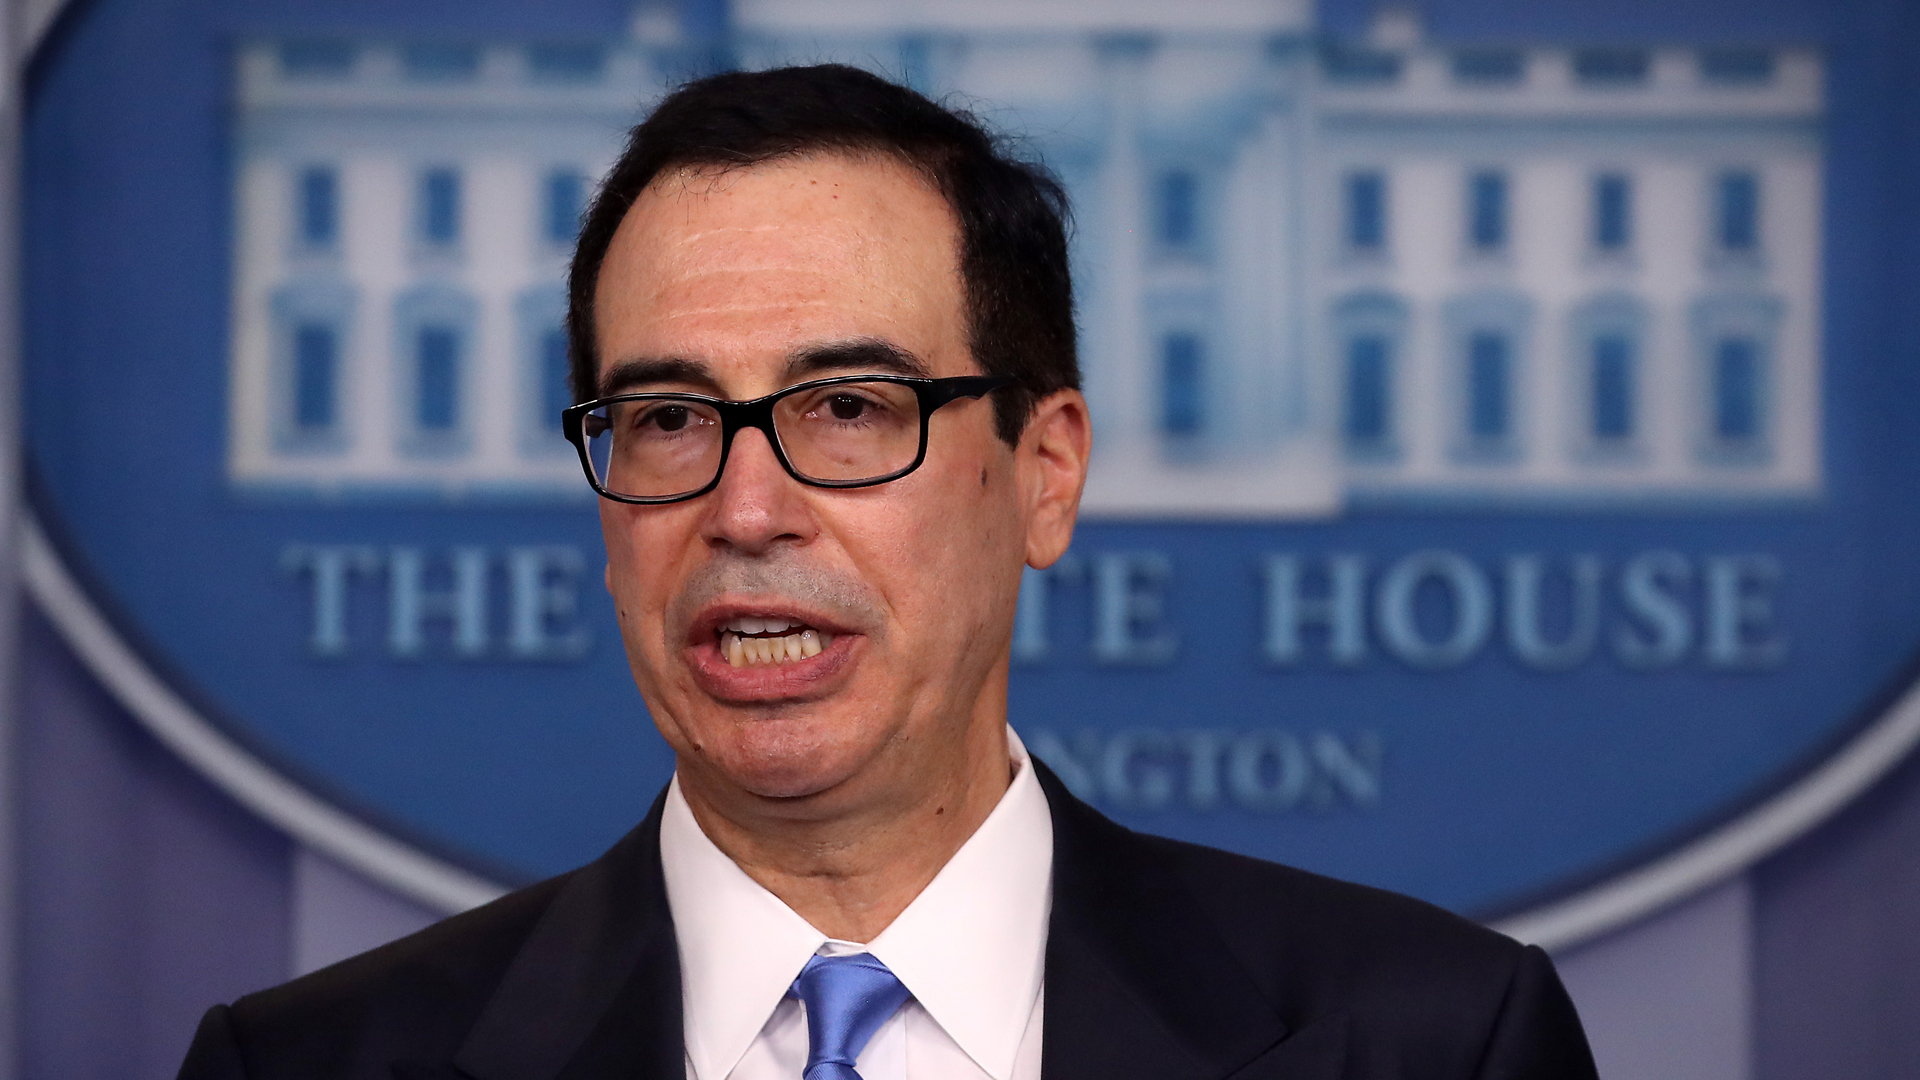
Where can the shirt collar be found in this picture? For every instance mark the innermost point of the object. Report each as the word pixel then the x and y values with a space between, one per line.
pixel 971 947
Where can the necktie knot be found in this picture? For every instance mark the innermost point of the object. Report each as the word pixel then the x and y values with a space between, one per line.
pixel 848 999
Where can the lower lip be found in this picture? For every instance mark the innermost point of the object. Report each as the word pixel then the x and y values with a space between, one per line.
pixel 769 682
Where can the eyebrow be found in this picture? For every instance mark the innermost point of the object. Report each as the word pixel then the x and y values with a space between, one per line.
pixel 857 355
pixel 632 375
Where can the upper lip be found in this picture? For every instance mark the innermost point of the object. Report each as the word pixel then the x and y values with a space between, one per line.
pixel 706 625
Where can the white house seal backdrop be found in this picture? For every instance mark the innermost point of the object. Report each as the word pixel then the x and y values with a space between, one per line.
pixel 1465 516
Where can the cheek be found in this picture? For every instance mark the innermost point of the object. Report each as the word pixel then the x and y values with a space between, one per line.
pixel 944 555
pixel 636 565
pixel 618 530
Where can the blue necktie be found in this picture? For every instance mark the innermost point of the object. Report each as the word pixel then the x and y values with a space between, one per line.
pixel 848 998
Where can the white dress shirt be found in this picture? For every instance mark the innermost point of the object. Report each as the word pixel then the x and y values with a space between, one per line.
pixel 970 948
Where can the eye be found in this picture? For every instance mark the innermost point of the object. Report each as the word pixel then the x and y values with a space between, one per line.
pixel 667 418
pixel 847 406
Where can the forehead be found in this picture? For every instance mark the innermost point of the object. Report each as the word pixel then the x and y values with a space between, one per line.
pixel 740 269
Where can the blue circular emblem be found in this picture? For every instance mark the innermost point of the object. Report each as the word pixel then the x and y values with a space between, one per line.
pixel 1503 486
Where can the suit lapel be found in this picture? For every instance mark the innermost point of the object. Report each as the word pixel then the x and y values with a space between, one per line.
pixel 595 991
pixel 1139 982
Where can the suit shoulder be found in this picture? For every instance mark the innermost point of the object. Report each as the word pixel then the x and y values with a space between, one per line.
pixel 416 996
pixel 1416 982
pixel 1271 913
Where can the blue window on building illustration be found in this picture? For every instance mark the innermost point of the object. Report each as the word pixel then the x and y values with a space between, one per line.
pixel 1368 330
pixel 1737 66
pixel 1369 405
pixel 319 206
pixel 1486 333
pixel 317 59
pixel 1609 330
pixel 1612 212
pixel 436 397
pixel 1351 64
pixel 566 192
pixel 1182 385
pixel 1489 66
pixel 540 319
pixel 1366 211
pixel 1609 66
pixel 1736 390
pixel 1487 211
pixel 433 345
pixel 1737 213
pixel 1612 391
pixel 567 62
pixel 440 207
pixel 1179 209
pixel 311 321
pixel 440 61
pixel 1734 336
pixel 316 378
pixel 1489 377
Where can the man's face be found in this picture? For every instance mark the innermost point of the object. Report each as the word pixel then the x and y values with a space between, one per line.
pixel 737 284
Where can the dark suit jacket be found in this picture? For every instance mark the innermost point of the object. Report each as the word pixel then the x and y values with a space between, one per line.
pixel 1164 960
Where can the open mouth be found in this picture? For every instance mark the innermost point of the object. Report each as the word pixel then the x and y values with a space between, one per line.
pixel 748 642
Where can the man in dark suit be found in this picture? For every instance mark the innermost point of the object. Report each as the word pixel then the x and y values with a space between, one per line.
pixel 825 332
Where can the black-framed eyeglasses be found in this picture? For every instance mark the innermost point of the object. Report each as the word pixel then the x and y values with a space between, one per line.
pixel 845 432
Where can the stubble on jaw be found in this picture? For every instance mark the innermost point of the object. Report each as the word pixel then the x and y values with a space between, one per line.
pixel 785 577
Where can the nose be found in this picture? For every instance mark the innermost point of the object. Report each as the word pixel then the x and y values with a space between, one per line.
pixel 756 504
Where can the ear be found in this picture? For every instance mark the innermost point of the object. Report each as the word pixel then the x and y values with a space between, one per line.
pixel 1051 462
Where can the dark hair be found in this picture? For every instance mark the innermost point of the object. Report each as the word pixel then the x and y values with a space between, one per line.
pixel 1012 214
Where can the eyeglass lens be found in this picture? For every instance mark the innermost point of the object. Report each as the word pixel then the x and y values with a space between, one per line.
pixel 662 447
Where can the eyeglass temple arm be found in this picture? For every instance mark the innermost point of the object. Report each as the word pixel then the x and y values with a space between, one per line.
pixel 964 386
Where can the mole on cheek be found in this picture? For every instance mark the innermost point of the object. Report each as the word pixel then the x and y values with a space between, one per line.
pixel 983 478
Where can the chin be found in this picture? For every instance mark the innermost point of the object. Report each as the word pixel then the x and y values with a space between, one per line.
pixel 785 759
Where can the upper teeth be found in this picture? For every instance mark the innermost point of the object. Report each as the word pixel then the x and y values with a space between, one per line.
pixel 748 625
pixel 740 650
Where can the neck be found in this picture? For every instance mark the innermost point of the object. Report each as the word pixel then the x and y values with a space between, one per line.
pixel 851 859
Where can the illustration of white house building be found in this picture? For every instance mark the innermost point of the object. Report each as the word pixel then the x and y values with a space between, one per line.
pixel 1312 272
